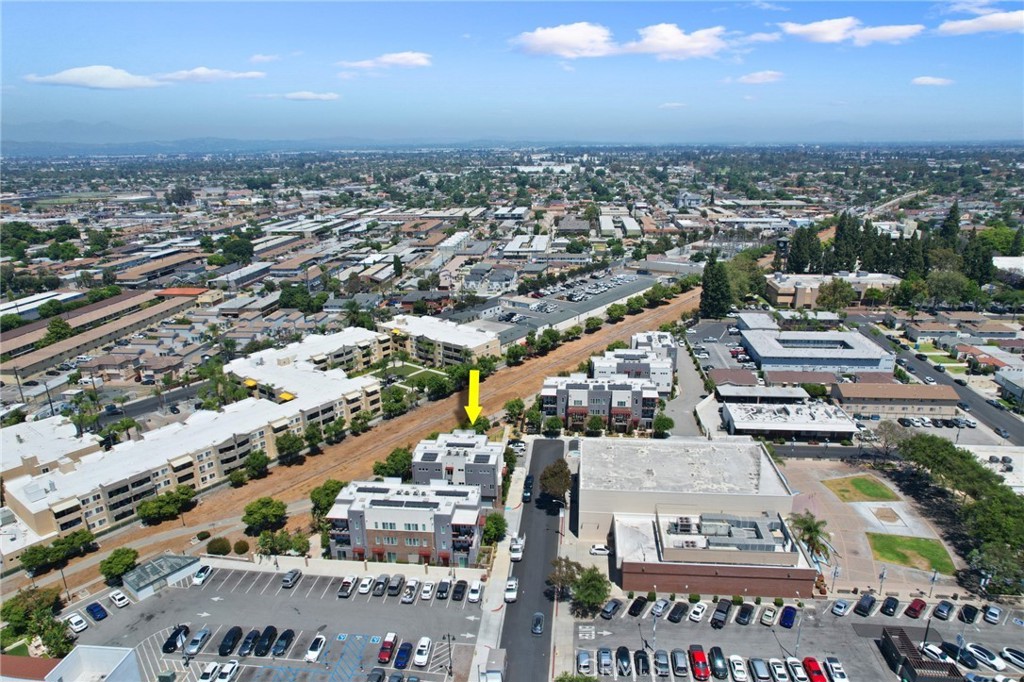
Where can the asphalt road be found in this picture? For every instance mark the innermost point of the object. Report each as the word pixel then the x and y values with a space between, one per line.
pixel 529 655
pixel 139 408
pixel 980 410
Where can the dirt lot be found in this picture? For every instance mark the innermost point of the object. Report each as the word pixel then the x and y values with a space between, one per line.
pixel 353 458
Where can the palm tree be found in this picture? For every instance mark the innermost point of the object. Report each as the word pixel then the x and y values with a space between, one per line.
pixel 810 530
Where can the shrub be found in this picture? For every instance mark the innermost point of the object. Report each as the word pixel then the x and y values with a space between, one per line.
pixel 757 600
pixel 714 600
pixel 629 595
pixel 651 596
pixel 737 600
pixel 778 602
pixel 693 598
pixel 202 535
pixel 846 442
pixel 672 597
pixel 218 546
pixel 241 547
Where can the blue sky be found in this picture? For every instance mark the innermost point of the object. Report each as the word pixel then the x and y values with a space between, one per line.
pixel 682 72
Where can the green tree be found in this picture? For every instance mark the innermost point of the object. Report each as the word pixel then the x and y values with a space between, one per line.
pixel 595 425
pixel 179 196
pixel 118 562
pixel 335 430
pixel 264 513
pixel 590 591
pixel 237 478
pixel 313 435
pixel 218 546
pixel 495 526
pixel 635 305
pixel 592 324
pixel 662 424
pixel 288 447
pixel 810 530
pixel 323 497
pixel 396 264
pixel 256 464
pixel 716 292
pixel 57 329
pixel 514 409
pixel 1017 246
pixel 552 425
pixel 56 637
pixel 836 294
pixel 556 479
pixel 564 574
pixel 397 465
pixel 946 286
pixel 515 354
pixel 534 418
pixel 950 228
pixel 615 312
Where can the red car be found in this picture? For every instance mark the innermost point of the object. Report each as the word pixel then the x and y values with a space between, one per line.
pixel 916 608
pixel 387 648
pixel 699 663
pixel 814 671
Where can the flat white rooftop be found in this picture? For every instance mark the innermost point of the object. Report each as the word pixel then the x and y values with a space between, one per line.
pixel 1015 453
pixel 440 330
pixel 800 417
pixel 836 346
pixel 739 466
pixel 46 439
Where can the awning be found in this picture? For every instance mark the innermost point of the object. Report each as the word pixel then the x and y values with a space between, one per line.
pixel 286 396
pixel 178 461
pixel 425 552
pixel 443 555
pixel 251 383
pixel 65 505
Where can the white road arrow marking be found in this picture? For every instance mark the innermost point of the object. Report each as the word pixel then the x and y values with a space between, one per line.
pixel 468 635
pixel 472 617
pixel 605 633
pixel 216 598
pixel 204 614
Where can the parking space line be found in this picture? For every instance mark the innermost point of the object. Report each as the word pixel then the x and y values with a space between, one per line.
pixel 326 587
pixel 311 587
pixel 241 577
pixel 259 581
pixel 269 583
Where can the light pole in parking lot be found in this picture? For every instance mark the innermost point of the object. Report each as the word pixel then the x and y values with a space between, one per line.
pixel 836 571
pixel 654 626
pixel 934 579
pixel 799 627
pixel 881 579
pixel 447 637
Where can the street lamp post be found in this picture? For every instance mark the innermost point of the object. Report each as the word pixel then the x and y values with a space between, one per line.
pixel 935 577
pixel 451 640
pixel 67 592
pixel 835 574
pixel 799 629
pixel 654 626
pixel 881 580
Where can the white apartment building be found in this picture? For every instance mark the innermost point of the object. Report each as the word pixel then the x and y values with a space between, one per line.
pixel 461 458
pixel 623 403
pixel 440 342
pixel 636 364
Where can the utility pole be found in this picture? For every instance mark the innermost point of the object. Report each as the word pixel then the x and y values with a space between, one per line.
pixel 835 574
pixel 881 580
pixel 935 577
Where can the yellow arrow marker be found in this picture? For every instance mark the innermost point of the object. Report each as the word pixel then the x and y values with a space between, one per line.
pixel 473 408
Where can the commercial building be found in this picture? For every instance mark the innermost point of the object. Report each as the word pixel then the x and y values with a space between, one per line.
pixel 439 342
pixel 636 364
pixel 801 291
pixel 623 403
pixel 782 413
pixel 1011 384
pixel 661 344
pixel 401 522
pixel 692 515
pixel 837 352
pixel 243 277
pixel 891 401
pixel 461 458
pixel 27 307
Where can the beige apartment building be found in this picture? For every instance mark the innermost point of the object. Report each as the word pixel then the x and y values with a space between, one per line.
pixel 439 342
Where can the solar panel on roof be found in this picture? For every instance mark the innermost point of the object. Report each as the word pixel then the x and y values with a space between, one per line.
pixel 387 503
pixel 372 489
pixel 481 459
pixel 429 457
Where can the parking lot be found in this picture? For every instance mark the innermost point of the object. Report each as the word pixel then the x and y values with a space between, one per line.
pixel 578 298
pixel 816 632
pixel 354 627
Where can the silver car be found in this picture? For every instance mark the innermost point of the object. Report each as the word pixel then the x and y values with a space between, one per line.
pixel 197 642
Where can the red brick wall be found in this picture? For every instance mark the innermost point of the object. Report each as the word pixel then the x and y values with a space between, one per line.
pixel 721 580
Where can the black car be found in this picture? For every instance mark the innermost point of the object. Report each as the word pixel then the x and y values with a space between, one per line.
pixel 904 422
pixel 230 641
pixel 459 591
pixel 266 641
pixel 611 608
pixel 960 655
pixel 537 624
pixel 890 606
pixel 380 586
pixel 746 614
pixel 642 662
pixel 678 612
pixel 177 638
pixel 442 589
pixel 638 606
pixel 943 610
pixel 716 659
pixel 623 662
pixel 968 614
pixel 249 643
pixel 282 643
pixel 528 488
pixel 921 356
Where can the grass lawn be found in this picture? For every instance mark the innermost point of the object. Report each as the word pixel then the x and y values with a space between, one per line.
pixel 944 360
pixel 957 370
pixel 920 553
pixel 861 489
pixel 428 370
pixel 926 347
pixel 405 370
pixel 20 650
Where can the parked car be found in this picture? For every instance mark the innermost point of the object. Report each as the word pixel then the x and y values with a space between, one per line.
pixel 229 641
pixel 283 643
pixel 699 663
pixel 778 670
pixel 968 614
pixel 475 591
pixel 380 585
pixel 841 607
pixel 291 578
pixel 376 675
pixel 387 647
pixel 459 591
pixel 444 588
pixel 118 599
pixel 678 612
pixel 403 655
pixel 422 654
pixel 915 608
pixel 943 610
pixel 396 584
pixel 716 659
pixel 623 662
pixel 659 608
pixel 788 617
pixel 661 664
pixel 642 663
pixel 266 640
pixel 865 605
pixel 96 611
pixel 680 667
pixel 796 670
pixel 836 673
pixel 638 606
pixel 768 617
pixel 528 488
pixel 986 656
pixel 889 606
pixel 209 673
pixel 737 669
pixel 365 585
pixel 720 618
pixel 427 591
pixel 229 671
pixel 1014 655
pixel 605 663
pixel 249 643
pixel 600 550
pixel 611 608
pixel 412 589
pixel 697 612
pixel 934 652
pixel 511 590
pixel 197 642
pixel 813 669
pixel 200 576
pixel 959 654
pixel 76 622
pixel 746 614
pixel 348 586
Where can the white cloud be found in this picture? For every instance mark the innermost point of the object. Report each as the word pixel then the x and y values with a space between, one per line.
pixel 931 80
pixel 671 105
pixel 98 77
pixel 773 37
pixel 970 7
pixel 768 6
pixel 996 22
pixel 760 77
pixel 668 41
pixel 750 98
pixel 850 28
pixel 264 58
pixel 307 96
pixel 386 61
pixel 202 74
pixel 347 75
pixel 827 31
pixel 569 41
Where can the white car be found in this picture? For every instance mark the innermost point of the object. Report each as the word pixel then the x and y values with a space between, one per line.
pixel 412 588
pixel 516 549
pixel 985 655
pixel 202 574
pixel 475 589
pixel 933 652
pixel 841 607
pixel 366 584
pixel 600 550
pixel 796 670
pixel 229 671
pixel 1013 655
pixel 835 669
pixel 421 656
pixel 697 612
pixel 511 589
pixel 778 669
pixel 118 599
pixel 738 669
pixel 930 381
pixel 427 591
pixel 209 673
pixel 316 647
pixel 76 622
